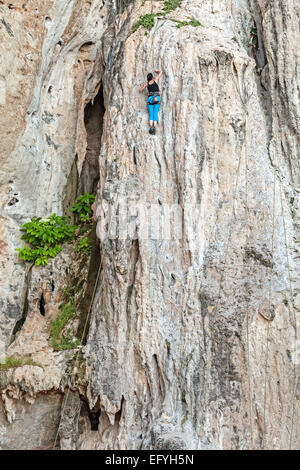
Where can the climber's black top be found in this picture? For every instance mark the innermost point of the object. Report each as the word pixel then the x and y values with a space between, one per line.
pixel 153 88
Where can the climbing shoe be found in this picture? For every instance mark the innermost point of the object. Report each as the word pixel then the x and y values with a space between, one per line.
pixel 151 130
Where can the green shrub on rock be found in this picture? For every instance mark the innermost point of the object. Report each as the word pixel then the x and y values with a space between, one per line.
pixel 170 5
pixel 83 246
pixel 83 206
pixel 148 20
pixel 46 237
pixel 145 20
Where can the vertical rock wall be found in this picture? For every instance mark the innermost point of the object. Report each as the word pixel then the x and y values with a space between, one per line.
pixel 56 72
pixel 193 332
pixel 193 338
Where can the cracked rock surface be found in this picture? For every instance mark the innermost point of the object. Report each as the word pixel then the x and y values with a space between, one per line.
pixel 193 331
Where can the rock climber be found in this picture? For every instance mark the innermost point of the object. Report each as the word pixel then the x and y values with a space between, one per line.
pixel 153 100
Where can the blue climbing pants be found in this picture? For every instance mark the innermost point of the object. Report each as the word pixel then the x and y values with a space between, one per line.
pixel 153 108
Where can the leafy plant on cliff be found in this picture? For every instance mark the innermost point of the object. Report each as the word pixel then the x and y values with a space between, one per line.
pixel 147 21
pixel 60 339
pixel 83 246
pixel 193 22
pixel 253 37
pixel 45 237
pixel 170 5
pixel 83 206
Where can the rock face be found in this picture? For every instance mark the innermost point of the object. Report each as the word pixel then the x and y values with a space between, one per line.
pixel 193 334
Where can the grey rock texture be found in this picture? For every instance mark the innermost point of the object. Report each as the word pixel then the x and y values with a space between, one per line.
pixel 35 425
pixel 68 427
pixel 193 331
pixel 40 150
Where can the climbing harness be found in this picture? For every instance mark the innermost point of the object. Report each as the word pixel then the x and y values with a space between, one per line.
pixel 155 99
pixel 154 93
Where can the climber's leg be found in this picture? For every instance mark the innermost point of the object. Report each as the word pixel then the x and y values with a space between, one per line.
pixel 151 114
pixel 155 112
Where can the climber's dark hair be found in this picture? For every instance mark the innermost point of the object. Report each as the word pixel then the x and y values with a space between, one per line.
pixel 149 77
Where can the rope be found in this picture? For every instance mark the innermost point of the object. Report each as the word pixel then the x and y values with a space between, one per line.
pixel 294 316
pixel 76 356
pixel 290 287
pixel 152 42
pixel 276 165
pixel 244 105
pixel 225 262
pixel 247 279
pixel 268 324
pixel 83 333
pixel 157 26
pixel 244 102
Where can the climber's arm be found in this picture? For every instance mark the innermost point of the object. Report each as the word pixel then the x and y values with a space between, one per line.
pixel 142 87
pixel 159 72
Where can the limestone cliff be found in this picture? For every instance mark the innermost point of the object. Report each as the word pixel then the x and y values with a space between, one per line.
pixel 189 309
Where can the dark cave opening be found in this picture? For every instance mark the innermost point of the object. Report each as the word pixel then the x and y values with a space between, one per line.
pixel 87 182
pixel 42 305
pixel 21 321
pixel 93 120
pixel 94 416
